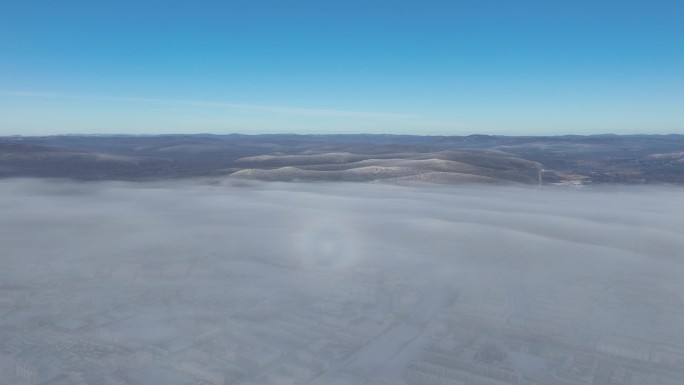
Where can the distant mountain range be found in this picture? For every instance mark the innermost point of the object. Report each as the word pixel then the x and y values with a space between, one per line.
pixel 396 159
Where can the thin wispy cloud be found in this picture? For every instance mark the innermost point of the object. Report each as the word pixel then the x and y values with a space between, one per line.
pixel 303 111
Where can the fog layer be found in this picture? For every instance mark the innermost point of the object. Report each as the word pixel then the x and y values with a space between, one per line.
pixel 185 283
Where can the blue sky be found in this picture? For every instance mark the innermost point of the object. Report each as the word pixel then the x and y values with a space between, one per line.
pixel 518 67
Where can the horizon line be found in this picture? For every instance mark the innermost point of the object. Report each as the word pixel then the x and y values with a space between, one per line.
pixel 330 134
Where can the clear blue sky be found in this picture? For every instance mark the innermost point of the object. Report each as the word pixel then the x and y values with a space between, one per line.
pixel 425 67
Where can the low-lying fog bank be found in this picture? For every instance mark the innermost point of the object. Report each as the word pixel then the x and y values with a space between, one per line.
pixel 175 283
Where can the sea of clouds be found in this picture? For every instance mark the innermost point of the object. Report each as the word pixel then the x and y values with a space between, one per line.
pixel 447 232
pixel 69 250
